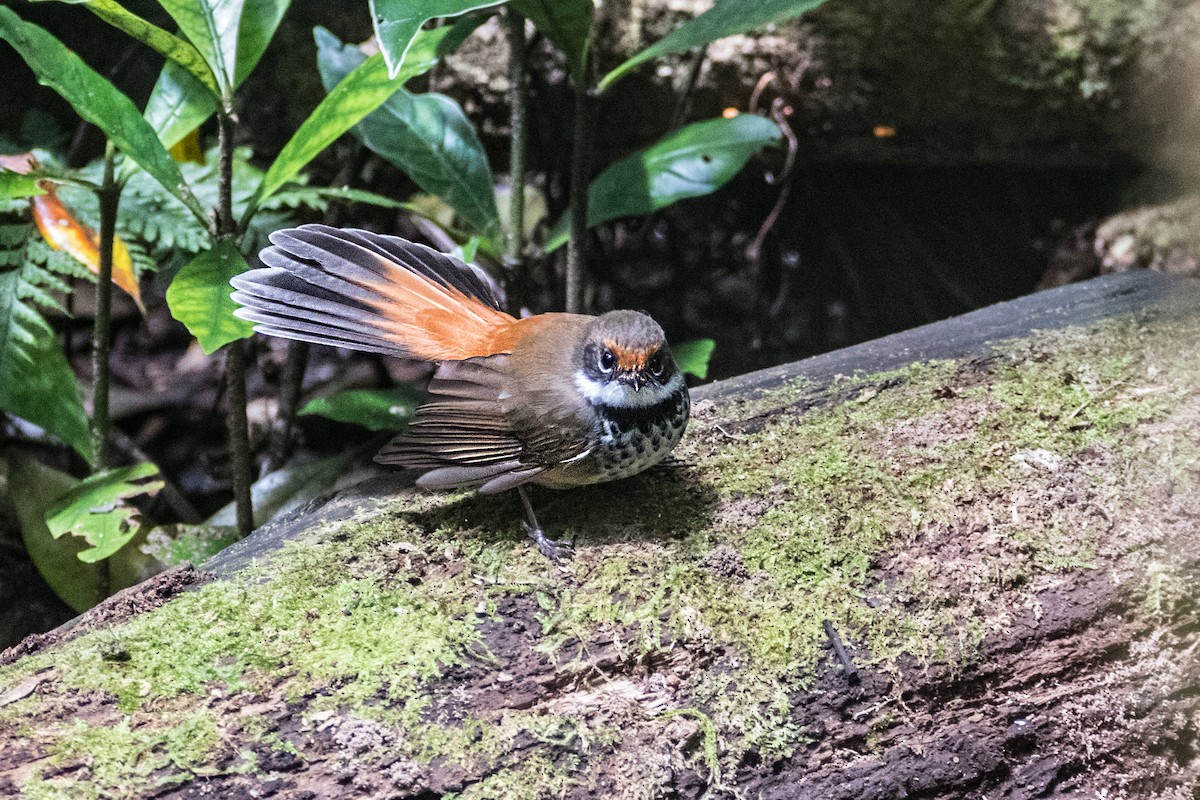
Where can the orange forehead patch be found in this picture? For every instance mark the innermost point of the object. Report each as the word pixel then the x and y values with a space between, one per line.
pixel 628 360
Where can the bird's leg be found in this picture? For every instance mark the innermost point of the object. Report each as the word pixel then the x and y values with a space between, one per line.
pixel 553 549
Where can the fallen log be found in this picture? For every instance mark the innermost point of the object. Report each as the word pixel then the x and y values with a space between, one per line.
pixel 955 562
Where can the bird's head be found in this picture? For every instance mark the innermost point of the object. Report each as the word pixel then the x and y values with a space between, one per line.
pixel 625 362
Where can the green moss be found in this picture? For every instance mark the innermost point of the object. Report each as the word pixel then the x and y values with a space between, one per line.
pixel 122 755
pixel 536 778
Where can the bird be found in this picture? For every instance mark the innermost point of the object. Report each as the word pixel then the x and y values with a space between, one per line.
pixel 555 399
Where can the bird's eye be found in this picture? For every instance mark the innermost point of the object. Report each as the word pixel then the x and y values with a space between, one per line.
pixel 656 365
pixel 607 360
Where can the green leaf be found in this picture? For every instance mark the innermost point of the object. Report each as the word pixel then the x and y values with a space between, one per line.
pixel 468 251
pixel 397 23
pixel 178 105
pixel 690 162
pixel 96 511
pixel 36 382
pixel 693 357
pixel 212 26
pixel 35 487
pixel 725 18
pixel 199 297
pixel 14 186
pixel 428 136
pixel 357 94
pixel 260 19
pixel 374 409
pixel 95 99
pixel 166 44
pixel 291 196
pixel 567 23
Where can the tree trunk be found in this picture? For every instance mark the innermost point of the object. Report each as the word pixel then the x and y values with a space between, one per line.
pixel 1002 540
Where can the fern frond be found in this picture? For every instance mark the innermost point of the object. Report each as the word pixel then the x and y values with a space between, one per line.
pixel 23 290
pixel 58 262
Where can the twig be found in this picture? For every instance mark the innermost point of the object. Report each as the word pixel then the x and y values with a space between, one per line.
pixel 838 647
pixel 518 102
pixel 1103 394
pixel 780 111
pixel 683 106
pixel 236 421
pixel 291 384
pixel 109 197
pixel 581 165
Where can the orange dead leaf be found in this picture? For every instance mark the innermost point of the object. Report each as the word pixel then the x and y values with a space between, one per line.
pixel 63 232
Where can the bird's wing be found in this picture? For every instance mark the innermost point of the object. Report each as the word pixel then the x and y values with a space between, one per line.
pixel 470 433
pixel 361 290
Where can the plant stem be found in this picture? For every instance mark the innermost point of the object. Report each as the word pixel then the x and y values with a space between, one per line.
pixel 109 197
pixel 235 352
pixel 581 163
pixel 239 434
pixel 291 384
pixel 514 243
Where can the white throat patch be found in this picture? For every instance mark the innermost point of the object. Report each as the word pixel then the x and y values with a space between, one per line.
pixel 615 393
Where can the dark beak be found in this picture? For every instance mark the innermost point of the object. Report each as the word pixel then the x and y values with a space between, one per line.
pixel 633 379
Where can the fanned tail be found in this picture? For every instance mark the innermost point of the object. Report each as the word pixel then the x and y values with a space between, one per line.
pixel 365 291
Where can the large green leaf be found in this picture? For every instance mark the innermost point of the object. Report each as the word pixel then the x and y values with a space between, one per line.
pixel 259 21
pixel 427 136
pixel 693 357
pixel 95 99
pixel 397 23
pixel 726 18
pixel 374 409
pixel 212 26
pixel 96 509
pixel 35 487
pixel 178 105
pixel 567 23
pixel 199 297
pixel 166 44
pixel 690 162
pixel 36 382
pixel 359 91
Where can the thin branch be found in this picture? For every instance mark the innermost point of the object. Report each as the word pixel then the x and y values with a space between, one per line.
pixel 683 105
pixel 581 164
pixel 236 421
pixel 518 102
pixel 109 196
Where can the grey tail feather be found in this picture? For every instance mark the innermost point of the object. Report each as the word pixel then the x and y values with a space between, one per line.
pixel 489 478
pixel 317 282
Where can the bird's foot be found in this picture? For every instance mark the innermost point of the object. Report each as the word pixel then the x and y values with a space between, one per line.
pixel 556 550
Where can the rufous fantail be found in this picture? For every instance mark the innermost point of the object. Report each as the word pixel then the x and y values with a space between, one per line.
pixel 558 400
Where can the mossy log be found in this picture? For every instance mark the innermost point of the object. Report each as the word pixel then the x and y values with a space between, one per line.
pixel 995 515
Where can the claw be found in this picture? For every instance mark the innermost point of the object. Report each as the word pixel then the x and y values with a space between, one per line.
pixel 553 549
pixel 556 550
